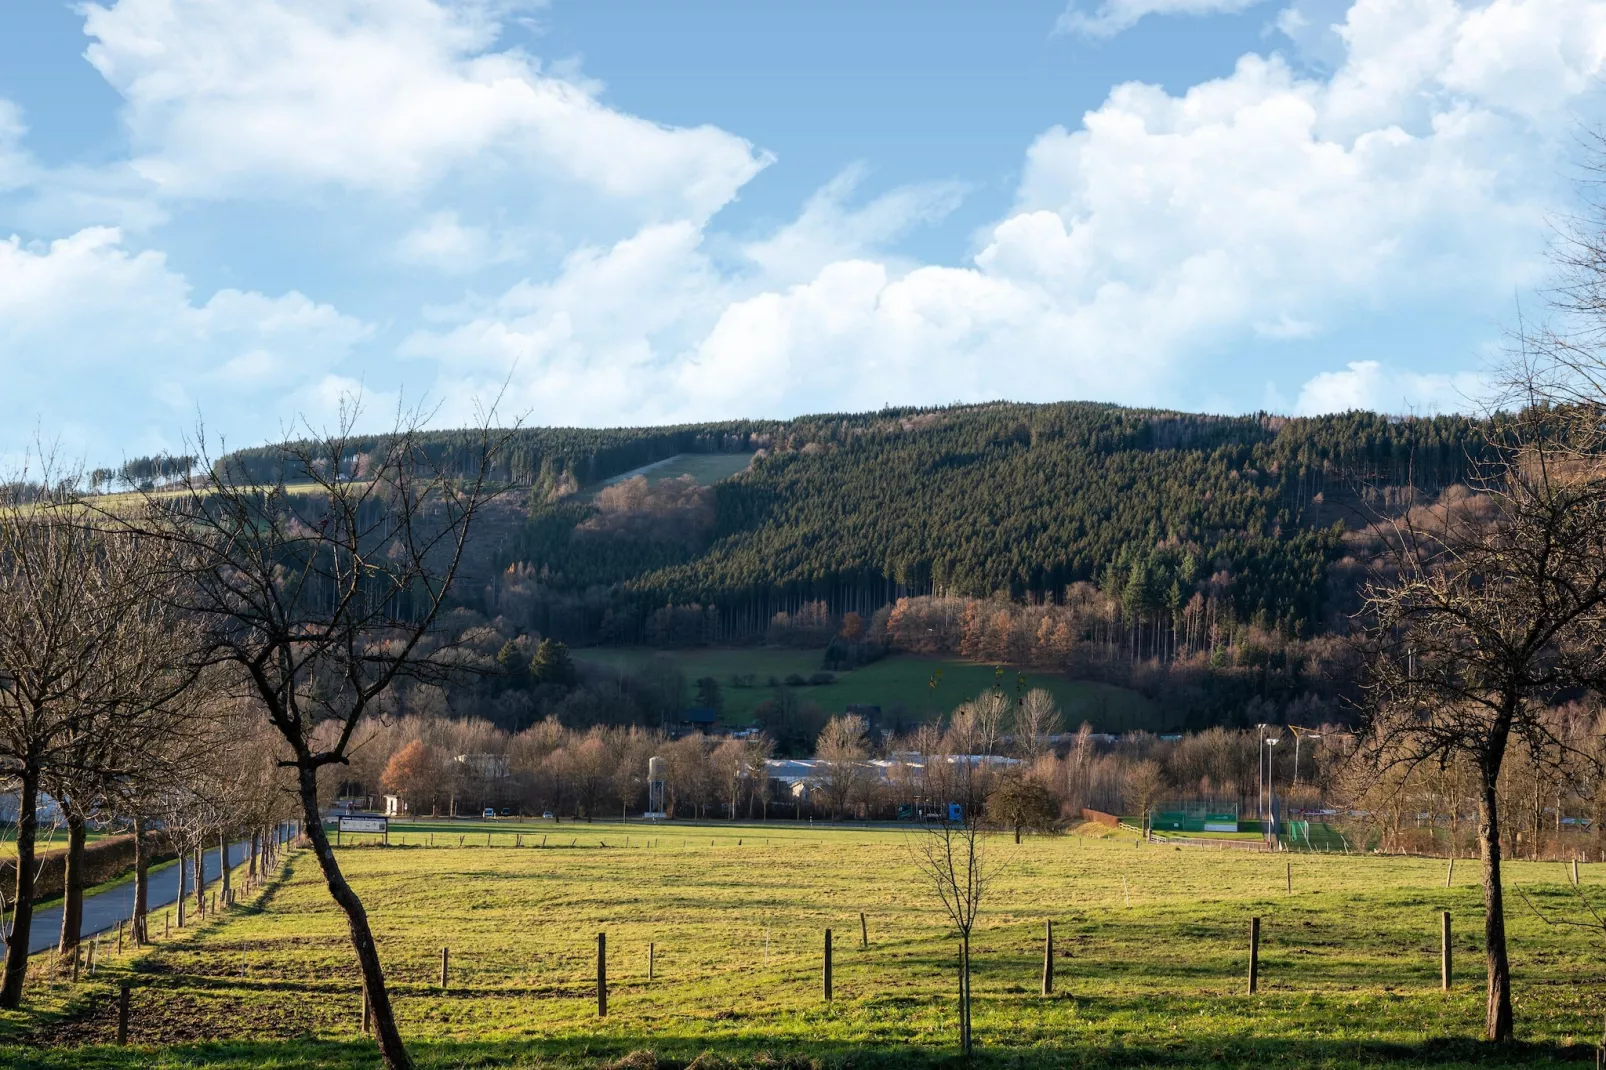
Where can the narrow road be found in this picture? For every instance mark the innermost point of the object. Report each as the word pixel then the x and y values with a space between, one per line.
pixel 103 910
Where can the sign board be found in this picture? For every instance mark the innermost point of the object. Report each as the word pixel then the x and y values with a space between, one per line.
pixel 364 824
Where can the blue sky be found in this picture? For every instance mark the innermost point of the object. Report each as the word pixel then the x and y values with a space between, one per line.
pixel 637 212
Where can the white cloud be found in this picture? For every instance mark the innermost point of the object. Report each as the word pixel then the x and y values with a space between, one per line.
pixel 828 229
pixel 139 355
pixel 442 242
pixel 1264 207
pixel 1110 17
pixel 1367 384
pixel 258 98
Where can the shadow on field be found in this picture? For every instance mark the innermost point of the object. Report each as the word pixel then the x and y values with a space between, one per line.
pixel 669 1053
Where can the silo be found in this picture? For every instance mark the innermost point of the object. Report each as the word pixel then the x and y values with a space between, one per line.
pixel 657 770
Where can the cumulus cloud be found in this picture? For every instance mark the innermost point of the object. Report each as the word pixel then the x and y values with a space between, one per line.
pixel 1110 17
pixel 1263 207
pixel 253 98
pixel 1368 384
pixel 140 355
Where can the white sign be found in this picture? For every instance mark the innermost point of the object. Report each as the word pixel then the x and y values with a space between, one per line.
pixel 364 824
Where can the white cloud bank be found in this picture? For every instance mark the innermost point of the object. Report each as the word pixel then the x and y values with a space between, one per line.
pixel 251 98
pixel 1367 384
pixel 1162 231
pixel 95 336
pixel 1263 205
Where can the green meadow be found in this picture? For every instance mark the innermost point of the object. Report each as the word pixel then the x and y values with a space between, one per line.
pixel 1150 961
pixel 900 680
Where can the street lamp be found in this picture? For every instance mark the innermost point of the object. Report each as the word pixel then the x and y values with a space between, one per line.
pixel 1271 741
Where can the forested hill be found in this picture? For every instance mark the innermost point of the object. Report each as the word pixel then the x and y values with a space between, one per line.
pixel 1001 500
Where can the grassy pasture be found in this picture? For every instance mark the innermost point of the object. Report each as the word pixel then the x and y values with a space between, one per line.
pixel 900 680
pixel 1151 959
pixel 706 468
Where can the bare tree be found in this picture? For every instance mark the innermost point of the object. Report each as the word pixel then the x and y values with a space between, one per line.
pixel 77 682
pixel 842 751
pixel 952 857
pixel 319 591
pixel 1037 718
pixel 1484 612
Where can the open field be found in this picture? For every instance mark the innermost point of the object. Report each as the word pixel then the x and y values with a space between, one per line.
pixel 705 468
pixel 50 839
pixel 1349 960
pixel 899 680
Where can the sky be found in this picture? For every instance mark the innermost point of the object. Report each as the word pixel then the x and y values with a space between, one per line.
pixel 231 219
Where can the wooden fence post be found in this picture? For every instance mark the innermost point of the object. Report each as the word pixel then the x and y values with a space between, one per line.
pixel 1449 872
pixel 446 954
pixel 828 965
pixel 864 931
pixel 122 1014
pixel 1048 958
pixel 119 936
pixel 650 963
pixel 1444 949
pixel 1289 874
pixel 1575 873
pixel 602 975
pixel 1254 955
pixel 167 924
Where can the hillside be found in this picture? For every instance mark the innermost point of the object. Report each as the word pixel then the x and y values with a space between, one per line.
pixel 996 501
pixel 1204 562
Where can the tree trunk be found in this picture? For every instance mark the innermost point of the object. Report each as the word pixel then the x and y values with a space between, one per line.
pixel 22 915
pixel 391 1048
pixel 72 885
pixel 251 864
pixel 964 994
pixel 198 877
pixel 1498 1021
pixel 142 882
pixel 223 864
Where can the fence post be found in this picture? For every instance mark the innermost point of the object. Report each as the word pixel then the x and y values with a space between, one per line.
pixel 119 936
pixel 1254 955
pixel 1449 872
pixel 1289 873
pixel 122 1014
pixel 1048 958
pixel 1575 873
pixel 446 954
pixel 602 975
pixel 828 965
pixel 1444 953
pixel 650 963
pixel 864 931
pixel 365 1008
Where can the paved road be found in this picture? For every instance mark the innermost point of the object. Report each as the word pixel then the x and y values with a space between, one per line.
pixel 103 910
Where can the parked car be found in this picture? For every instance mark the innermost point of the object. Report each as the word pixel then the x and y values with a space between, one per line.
pixel 546 815
pixel 489 812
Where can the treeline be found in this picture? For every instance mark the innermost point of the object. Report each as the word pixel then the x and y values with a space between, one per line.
pixel 1014 502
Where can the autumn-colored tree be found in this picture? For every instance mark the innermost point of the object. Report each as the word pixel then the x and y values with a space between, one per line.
pixel 413 773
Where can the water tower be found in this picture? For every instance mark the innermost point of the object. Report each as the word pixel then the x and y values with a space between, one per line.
pixel 656 769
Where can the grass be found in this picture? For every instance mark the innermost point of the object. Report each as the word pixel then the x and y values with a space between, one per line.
pixel 901 680
pixel 1348 967
pixel 706 468
pixel 51 838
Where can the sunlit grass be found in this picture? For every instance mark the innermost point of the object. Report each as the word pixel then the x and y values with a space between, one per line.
pixel 1151 964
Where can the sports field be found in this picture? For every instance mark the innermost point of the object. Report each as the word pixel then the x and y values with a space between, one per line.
pixel 1150 962
pixel 901 680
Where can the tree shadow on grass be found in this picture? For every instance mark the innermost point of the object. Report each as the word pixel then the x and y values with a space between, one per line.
pixel 680 1053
